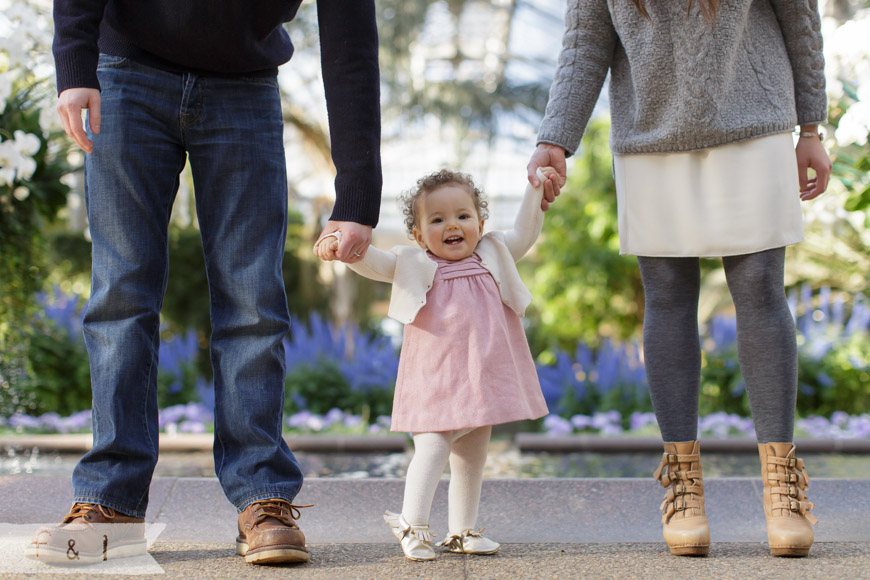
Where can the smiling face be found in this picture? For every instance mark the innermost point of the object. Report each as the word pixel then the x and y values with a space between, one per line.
pixel 448 224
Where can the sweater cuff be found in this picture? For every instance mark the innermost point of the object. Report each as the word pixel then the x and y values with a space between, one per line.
pixel 556 135
pixel 357 202
pixel 76 70
pixel 813 118
pixel 557 142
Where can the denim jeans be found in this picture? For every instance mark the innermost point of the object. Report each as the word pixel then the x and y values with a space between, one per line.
pixel 232 132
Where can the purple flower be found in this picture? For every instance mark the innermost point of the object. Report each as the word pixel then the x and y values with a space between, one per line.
pixel 556 425
pixel 639 420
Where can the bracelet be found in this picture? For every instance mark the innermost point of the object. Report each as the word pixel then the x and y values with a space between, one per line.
pixel 820 135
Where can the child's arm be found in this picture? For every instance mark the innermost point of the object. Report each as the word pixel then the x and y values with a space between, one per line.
pixel 375 264
pixel 530 217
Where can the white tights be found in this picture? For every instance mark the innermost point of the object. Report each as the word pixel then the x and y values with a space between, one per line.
pixel 466 449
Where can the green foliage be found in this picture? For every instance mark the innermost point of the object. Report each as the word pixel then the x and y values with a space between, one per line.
pixel 838 381
pixel 320 386
pixel 26 206
pixel 584 289
pixel 61 379
pixel 722 388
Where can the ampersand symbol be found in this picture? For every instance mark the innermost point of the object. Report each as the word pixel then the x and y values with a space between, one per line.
pixel 72 545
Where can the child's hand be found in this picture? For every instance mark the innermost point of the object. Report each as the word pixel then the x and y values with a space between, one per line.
pixel 326 248
pixel 552 181
pixel 551 173
pixel 547 155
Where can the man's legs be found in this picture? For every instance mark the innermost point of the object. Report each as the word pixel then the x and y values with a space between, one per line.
pixel 233 130
pixel 131 181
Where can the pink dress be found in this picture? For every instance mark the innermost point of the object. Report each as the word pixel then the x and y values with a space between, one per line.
pixel 465 361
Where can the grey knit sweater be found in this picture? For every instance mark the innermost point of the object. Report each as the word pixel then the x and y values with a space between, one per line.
pixel 679 85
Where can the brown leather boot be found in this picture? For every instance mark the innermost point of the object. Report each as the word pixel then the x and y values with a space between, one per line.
pixel 786 506
pixel 684 521
pixel 89 534
pixel 268 533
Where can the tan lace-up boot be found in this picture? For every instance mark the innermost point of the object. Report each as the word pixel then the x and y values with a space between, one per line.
pixel 269 534
pixel 684 521
pixel 788 511
pixel 89 533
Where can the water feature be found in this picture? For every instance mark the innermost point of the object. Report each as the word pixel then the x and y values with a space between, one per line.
pixel 504 461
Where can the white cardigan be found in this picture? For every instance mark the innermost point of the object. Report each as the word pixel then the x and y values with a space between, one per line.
pixel 411 271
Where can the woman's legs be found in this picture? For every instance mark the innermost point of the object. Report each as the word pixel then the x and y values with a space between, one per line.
pixel 466 479
pixel 672 349
pixel 767 350
pixel 766 343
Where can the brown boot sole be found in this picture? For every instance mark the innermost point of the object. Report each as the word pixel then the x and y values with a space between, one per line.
pixel 790 552
pixel 272 556
pixel 690 550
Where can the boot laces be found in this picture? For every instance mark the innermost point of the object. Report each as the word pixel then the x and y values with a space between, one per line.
pixel 282 510
pixel 83 511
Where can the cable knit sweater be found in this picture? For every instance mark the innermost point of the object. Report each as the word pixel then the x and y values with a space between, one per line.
pixel 678 84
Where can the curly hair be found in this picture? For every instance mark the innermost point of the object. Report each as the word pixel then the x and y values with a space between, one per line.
pixel 430 183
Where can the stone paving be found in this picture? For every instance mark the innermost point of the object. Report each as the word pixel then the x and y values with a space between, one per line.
pixel 550 528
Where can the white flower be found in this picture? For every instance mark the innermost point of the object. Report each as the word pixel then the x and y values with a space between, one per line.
pixel 854 126
pixel 26 143
pixel 5 90
pixel 21 193
pixel 16 162
pixel 8 161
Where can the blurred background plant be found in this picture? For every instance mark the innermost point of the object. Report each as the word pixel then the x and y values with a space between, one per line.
pixel 33 162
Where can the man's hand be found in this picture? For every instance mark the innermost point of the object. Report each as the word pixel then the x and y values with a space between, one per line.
pixel 70 105
pixel 547 155
pixel 352 241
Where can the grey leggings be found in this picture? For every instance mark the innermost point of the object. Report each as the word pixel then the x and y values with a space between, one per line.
pixel 766 343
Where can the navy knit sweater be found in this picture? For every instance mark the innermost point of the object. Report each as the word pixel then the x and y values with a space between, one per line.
pixel 244 38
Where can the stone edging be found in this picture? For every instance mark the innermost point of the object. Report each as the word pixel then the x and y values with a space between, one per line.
pixel 81 442
pixel 397 443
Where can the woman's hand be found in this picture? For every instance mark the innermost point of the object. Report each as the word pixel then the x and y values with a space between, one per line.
pixel 552 157
pixel 812 155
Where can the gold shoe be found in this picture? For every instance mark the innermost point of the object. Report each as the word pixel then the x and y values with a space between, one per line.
pixel 786 507
pixel 470 542
pixel 684 521
pixel 416 539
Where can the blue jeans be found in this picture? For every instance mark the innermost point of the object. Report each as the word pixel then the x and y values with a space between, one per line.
pixel 232 131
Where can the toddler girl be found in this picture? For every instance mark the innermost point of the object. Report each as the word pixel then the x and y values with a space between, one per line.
pixel 465 364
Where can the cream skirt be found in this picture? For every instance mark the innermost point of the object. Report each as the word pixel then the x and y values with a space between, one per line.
pixel 724 201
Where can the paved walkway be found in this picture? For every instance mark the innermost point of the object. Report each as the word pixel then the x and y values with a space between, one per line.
pixel 550 528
